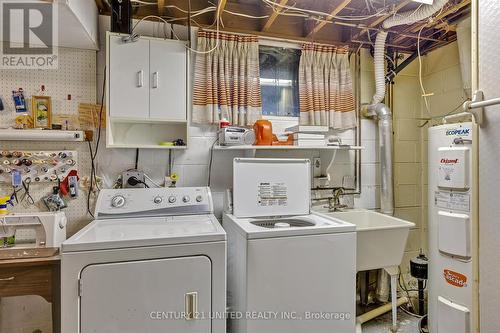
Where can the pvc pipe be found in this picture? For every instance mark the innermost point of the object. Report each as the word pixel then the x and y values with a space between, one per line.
pixel 394 304
pixel 366 317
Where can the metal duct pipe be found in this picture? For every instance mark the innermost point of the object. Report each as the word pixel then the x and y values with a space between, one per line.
pixel 384 116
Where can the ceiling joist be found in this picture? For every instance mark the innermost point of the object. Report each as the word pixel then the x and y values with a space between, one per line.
pixel 382 18
pixel 437 21
pixel 161 7
pixel 333 13
pixel 303 19
pixel 273 16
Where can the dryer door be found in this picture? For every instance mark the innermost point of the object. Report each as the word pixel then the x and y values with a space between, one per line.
pixel 152 296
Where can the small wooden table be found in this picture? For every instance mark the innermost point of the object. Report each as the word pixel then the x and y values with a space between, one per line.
pixel 34 276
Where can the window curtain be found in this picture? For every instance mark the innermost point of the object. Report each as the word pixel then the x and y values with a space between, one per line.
pixel 325 87
pixel 226 80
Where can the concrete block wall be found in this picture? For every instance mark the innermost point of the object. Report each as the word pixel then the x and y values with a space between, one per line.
pixel 443 79
pixel 407 159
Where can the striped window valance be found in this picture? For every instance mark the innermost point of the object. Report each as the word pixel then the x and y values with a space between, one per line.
pixel 325 87
pixel 226 79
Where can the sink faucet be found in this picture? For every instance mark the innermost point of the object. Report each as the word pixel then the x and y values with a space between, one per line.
pixel 334 204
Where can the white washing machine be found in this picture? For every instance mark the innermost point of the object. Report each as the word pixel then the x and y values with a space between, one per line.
pixel 154 260
pixel 289 270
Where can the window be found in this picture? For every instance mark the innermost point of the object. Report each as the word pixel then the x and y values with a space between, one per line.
pixel 279 81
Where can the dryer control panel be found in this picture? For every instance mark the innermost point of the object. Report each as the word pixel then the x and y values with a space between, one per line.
pixel 143 202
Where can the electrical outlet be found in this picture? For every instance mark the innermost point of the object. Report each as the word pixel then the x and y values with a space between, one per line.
pixel 133 173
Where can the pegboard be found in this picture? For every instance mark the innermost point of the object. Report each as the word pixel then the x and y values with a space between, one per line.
pixel 37 166
pixel 76 75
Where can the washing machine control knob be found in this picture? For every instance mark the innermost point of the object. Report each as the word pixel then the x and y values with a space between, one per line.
pixel 186 199
pixel 199 198
pixel 118 201
pixel 172 199
pixel 158 200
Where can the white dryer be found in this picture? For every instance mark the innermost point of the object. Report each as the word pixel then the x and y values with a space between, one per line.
pixel 154 260
pixel 289 270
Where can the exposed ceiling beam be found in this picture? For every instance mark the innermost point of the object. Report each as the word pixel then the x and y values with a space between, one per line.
pixel 222 6
pixel 382 18
pixel 451 10
pixel 276 36
pixel 273 16
pixel 437 21
pixel 334 12
pixel 161 7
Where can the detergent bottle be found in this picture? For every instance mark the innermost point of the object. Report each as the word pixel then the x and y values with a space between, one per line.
pixel 4 201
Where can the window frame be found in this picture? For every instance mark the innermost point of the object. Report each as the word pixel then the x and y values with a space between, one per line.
pixel 281 121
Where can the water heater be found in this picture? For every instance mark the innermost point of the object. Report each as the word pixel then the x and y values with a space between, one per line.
pixel 451 229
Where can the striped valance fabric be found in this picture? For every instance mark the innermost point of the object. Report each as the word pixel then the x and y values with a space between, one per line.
pixel 325 87
pixel 226 80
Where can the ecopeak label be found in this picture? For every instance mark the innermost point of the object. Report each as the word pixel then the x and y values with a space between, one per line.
pixel 458 131
pixel 29 33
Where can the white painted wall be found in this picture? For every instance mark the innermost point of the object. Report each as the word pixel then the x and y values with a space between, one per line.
pixel 192 164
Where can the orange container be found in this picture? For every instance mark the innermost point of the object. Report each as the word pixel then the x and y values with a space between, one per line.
pixel 263 132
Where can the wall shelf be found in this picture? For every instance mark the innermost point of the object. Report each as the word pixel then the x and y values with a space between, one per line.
pixel 218 147
pixel 41 135
pixel 147 146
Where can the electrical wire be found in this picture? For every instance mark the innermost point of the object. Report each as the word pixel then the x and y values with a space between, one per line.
pixel 246 15
pixel 420 74
pixel 93 154
pixel 296 10
pixel 152 181
pixel 211 162
pixel 136 158
pixel 157 17
pixel 217 24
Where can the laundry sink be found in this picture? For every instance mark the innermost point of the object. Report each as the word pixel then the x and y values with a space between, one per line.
pixel 11 253
pixel 381 239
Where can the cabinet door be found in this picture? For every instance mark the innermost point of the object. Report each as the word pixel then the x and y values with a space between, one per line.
pixel 150 296
pixel 128 78
pixel 168 80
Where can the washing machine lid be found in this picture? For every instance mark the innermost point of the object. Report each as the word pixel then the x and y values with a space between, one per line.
pixel 303 225
pixel 271 187
pixel 144 232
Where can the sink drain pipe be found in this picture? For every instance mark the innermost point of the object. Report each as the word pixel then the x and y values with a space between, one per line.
pixel 365 317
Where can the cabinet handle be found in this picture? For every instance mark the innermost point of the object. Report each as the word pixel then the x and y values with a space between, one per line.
pixel 8 279
pixel 140 79
pixel 156 79
pixel 191 305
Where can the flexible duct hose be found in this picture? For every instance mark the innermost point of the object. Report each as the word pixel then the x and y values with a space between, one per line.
pixel 405 18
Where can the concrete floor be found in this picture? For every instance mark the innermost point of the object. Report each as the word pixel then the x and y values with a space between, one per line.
pixel 383 324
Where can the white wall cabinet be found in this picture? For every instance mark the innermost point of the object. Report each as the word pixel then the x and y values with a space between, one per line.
pixel 128 88
pixel 168 80
pixel 147 94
